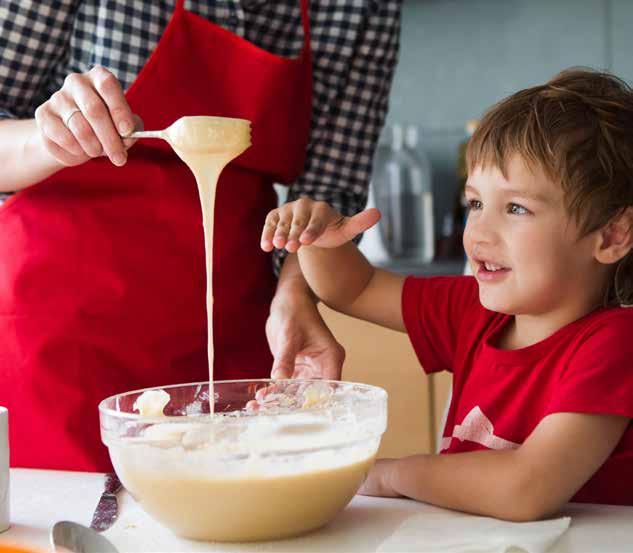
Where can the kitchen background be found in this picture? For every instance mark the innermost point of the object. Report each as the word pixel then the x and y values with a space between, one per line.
pixel 458 57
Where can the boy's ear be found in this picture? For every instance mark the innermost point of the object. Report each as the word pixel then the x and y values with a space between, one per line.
pixel 615 238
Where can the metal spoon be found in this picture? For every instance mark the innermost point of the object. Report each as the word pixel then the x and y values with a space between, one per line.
pixel 79 539
pixel 202 133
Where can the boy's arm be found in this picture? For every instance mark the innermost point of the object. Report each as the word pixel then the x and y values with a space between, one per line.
pixel 336 271
pixel 527 483
pixel 344 280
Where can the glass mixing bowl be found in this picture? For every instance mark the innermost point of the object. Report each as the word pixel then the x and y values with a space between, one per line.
pixel 278 458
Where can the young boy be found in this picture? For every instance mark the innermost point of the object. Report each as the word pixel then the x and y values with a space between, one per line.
pixel 540 349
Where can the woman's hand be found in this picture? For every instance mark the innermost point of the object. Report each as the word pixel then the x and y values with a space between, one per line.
pixel 308 222
pixel 301 343
pixel 85 118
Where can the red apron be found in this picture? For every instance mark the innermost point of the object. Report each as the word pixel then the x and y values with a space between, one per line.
pixel 102 278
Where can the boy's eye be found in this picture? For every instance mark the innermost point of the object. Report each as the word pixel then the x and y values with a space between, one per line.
pixel 516 209
pixel 474 204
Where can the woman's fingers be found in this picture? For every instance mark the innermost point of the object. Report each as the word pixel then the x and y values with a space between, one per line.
pixel 138 126
pixel 53 126
pixel 57 139
pixel 109 88
pixel 87 117
pixel 121 121
pixel 77 87
pixel 94 127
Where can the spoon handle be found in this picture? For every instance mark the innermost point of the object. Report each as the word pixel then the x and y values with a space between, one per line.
pixel 145 134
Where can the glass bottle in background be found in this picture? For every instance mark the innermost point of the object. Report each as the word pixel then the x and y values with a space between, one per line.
pixel 373 243
pixel 397 168
pixel 381 189
pixel 450 245
pixel 386 182
pixel 417 202
pixel 402 185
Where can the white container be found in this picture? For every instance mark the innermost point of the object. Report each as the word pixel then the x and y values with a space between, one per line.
pixel 4 469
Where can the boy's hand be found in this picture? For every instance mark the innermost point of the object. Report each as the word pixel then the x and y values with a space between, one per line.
pixel 307 222
pixel 377 481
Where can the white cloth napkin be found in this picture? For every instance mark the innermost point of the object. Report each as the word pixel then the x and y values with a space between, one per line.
pixel 447 532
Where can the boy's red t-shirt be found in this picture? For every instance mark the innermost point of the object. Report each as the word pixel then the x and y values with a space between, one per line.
pixel 500 396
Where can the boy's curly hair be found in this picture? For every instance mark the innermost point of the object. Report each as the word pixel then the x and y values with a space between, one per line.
pixel 578 128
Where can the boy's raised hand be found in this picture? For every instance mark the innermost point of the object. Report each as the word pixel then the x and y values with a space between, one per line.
pixel 307 222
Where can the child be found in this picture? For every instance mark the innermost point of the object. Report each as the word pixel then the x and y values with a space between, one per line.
pixel 540 350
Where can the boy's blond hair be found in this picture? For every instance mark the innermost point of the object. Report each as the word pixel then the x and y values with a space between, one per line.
pixel 578 128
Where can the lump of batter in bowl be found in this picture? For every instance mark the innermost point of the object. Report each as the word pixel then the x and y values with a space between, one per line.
pixel 151 403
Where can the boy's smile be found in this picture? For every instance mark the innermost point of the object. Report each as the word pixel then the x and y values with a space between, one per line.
pixel 524 248
pixel 488 271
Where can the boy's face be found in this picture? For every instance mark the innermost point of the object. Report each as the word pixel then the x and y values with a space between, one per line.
pixel 522 245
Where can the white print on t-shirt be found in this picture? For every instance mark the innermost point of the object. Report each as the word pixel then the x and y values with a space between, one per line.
pixel 476 427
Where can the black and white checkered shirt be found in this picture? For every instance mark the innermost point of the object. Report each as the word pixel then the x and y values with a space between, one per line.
pixel 354 49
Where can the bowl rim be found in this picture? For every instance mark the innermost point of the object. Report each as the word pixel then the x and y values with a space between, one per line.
pixel 103 410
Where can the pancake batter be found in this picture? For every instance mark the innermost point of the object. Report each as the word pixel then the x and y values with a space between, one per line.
pixel 206 145
pixel 249 478
pixel 244 508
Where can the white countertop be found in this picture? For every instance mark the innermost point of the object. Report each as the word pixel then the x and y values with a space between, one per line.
pixel 40 498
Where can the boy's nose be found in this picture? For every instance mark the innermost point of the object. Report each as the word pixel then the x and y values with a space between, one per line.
pixel 480 229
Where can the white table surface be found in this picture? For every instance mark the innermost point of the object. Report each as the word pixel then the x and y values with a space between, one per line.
pixel 40 498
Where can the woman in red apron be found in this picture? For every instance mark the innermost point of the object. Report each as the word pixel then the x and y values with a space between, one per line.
pixel 103 276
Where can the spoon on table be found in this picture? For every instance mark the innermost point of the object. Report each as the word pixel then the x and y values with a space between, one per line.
pixel 79 539
pixel 202 133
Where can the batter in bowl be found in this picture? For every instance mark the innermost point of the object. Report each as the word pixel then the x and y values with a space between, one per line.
pixel 287 468
pixel 244 508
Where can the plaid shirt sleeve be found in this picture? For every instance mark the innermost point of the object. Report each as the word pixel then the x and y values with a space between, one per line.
pixel 34 39
pixel 348 117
